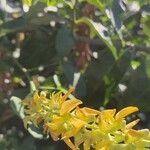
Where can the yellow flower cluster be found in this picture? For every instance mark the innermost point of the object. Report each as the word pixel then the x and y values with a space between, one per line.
pixel 62 118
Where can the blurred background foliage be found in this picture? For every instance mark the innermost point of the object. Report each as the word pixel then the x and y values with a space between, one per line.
pixel 101 48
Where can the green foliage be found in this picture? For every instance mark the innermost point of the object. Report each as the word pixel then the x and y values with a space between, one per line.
pixel 64 41
pixel 16 105
pixel 101 32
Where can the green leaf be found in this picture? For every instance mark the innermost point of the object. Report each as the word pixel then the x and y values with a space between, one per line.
pixel 147 63
pixel 75 78
pixel 116 12
pixel 64 41
pixel 69 71
pixel 146 25
pixel 30 20
pixel 35 131
pixel 53 2
pixel 27 2
pixel 101 32
pixel 70 3
pixel 16 104
pixel 135 64
pixel 13 26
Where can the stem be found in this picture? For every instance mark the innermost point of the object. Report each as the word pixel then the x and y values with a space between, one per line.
pixel 24 70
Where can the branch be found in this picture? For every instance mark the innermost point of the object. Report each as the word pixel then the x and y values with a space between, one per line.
pixel 98 42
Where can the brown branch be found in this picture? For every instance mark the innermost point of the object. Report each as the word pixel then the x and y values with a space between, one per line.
pixel 98 42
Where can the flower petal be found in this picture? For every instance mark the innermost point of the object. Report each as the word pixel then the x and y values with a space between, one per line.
pixel 110 112
pixel 139 133
pixel 69 105
pixel 125 112
pixel 67 94
pixel 132 124
pixel 88 111
pixel 70 144
pixel 78 124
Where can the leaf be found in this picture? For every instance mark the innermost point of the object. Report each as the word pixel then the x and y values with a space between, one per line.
pixel 53 2
pixel 30 20
pixel 49 84
pixel 64 41
pixel 12 26
pixel 135 64
pixel 74 77
pixel 16 104
pixel 147 63
pixel 146 9
pixel 69 71
pixel 70 3
pixel 27 2
pixel 35 131
pixel 116 12
pixel 145 24
pixel 37 15
pixel 102 33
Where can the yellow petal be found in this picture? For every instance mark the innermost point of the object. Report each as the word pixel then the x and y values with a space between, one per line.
pixel 139 133
pixel 132 124
pixel 110 112
pixel 55 135
pixel 69 105
pixel 125 112
pixel 67 94
pixel 70 144
pixel 78 124
pixel 87 145
pixel 36 95
pixel 88 111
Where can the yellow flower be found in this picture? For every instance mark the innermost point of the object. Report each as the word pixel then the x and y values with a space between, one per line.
pixel 110 122
pixel 107 129
pixel 139 138
pixel 63 119
pixel 33 106
pixel 59 103
pixel 86 114
pixel 63 123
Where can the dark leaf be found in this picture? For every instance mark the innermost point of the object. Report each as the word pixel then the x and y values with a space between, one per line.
pixel 64 41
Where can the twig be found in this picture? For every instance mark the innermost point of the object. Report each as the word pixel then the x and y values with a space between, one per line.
pixel 100 43
pixel 24 70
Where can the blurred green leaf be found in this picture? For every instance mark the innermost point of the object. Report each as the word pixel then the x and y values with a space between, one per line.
pixel 135 64
pixel 30 20
pixel 116 12
pixel 16 104
pixel 27 2
pixel 35 131
pixel 146 25
pixel 147 63
pixel 64 41
pixel 13 26
pixel 74 78
pixel 102 33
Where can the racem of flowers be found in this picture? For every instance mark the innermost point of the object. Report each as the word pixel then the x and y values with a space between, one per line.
pixel 62 118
